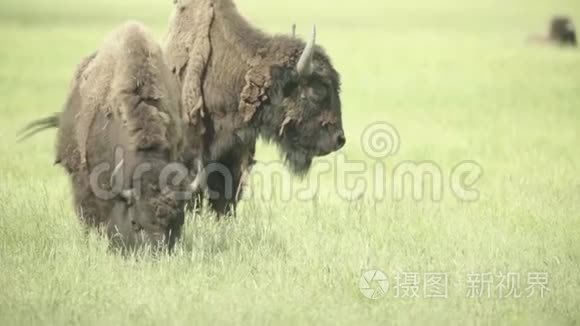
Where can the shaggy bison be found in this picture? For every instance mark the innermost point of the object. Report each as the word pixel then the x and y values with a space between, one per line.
pixel 239 84
pixel 562 31
pixel 120 130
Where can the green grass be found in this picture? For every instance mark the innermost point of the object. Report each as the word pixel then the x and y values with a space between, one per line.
pixel 455 78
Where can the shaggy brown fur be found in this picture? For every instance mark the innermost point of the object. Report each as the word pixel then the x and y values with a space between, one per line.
pixel 124 98
pixel 239 83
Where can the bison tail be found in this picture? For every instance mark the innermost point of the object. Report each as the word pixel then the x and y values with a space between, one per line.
pixel 39 125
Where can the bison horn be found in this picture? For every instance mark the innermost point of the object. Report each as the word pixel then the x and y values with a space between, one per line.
pixel 294 30
pixel 196 185
pixel 116 172
pixel 304 65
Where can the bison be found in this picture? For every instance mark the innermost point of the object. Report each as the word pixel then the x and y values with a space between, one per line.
pixel 120 134
pixel 561 32
pixel 239 84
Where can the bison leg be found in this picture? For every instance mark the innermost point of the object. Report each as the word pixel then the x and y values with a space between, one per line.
pixel 226 180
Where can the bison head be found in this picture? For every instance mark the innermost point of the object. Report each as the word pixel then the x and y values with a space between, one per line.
pixel 304 115
pixel 151 212
pixel 153 219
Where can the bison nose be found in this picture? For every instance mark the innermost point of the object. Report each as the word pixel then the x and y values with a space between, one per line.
pixel 340 140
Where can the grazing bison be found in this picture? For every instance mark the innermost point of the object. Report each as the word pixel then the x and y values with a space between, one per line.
pixel 239 84
pixel 120 131
pixel 562 31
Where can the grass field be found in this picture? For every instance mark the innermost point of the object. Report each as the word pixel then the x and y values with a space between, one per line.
pixel 457 81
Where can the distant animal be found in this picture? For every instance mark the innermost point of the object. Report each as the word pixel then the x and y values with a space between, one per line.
pixel 119 133
pixel 239 84
pixel 561 32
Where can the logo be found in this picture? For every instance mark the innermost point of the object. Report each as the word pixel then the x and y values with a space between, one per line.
pixel 374 284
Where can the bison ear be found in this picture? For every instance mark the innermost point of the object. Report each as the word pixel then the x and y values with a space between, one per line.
pixel 128 196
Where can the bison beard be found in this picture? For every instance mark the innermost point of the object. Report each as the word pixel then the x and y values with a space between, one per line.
pixel 239 84
pixel 298 162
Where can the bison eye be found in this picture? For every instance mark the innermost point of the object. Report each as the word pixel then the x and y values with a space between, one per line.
pixel 318 91
pixel 136 227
